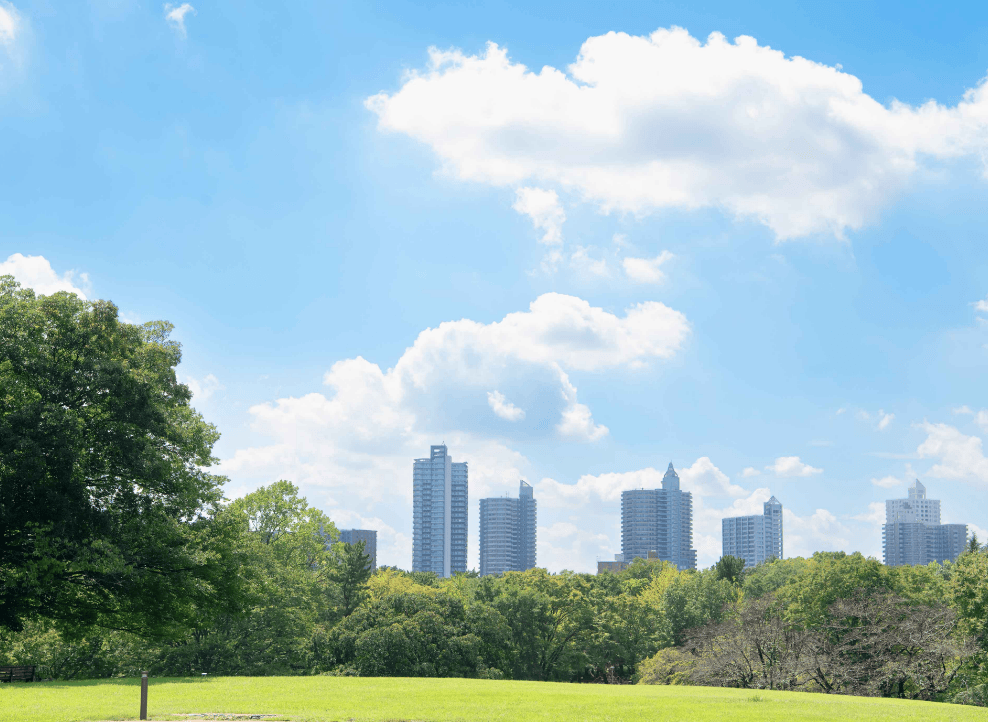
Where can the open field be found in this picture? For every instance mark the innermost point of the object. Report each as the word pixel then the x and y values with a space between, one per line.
pixel 320 699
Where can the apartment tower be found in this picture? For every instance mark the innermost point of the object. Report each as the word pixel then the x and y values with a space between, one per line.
pixel 439 513
pixel 755 538
pixel 913 534
pixel 507 532
pixel 659 521
pixel 368 537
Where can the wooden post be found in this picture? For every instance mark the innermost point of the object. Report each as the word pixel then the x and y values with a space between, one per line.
pixel 144 695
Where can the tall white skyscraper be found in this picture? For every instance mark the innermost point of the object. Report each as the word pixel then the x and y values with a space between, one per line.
pixel 659 521
pixel 439 514
pixel 913 534
pixel 756 538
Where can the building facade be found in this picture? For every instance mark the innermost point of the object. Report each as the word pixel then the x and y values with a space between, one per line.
pixel 508 532
pixel 755 538
pixel 659 521
pixel 439 513
pixel 368 537
pixel 913 534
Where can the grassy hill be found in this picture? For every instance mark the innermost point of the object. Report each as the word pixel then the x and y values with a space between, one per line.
pixel 321 699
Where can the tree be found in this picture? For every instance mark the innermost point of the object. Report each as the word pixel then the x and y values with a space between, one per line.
pixel 106 508
pixel 730 568
pixel 350 570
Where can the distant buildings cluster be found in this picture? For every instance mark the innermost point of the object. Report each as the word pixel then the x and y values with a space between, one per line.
pixel 655 524
pixel 913 534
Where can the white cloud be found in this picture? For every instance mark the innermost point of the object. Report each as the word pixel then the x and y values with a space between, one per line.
pixel 581 260
pixel 876 509
pixel 504 408
pixel 959 456
pixel 750 471
pixel 963 410
pixel 981 305
pixel 637 124
pixel 884 420
pixel 863 415
pixel 981 419
pixel 10 25
pixel 202 389
pixel 175 16
pixel 543 208
pixel 702 479
pixel 36 272
pixel 888 482
pixel 351 446
pixel 821 531
pixel 646 270
pixel 791 466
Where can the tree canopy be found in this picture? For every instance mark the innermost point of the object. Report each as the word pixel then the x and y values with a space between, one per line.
pixel 106 508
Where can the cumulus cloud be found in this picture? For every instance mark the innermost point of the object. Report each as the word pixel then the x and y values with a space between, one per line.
pixel 353 444
pixel 750 471
pixel 646 270
pixel 36 272
pixel 10 25
pixel 888 482
pixel 640 123
pixel 789 466
pixel 702 478
pixel 202 389
pixel 876 509
pixel 884 420
pixel 820 531
pixel 175 16
pixel 504 408
pixel 958 456
pixel 543 208
pixel 982 305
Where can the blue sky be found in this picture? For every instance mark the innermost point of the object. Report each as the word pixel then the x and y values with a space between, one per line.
pixel 573 256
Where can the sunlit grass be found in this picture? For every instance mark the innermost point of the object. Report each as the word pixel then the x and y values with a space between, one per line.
pixel 321 699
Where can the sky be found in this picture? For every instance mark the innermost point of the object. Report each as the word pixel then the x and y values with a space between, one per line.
pixel 572 241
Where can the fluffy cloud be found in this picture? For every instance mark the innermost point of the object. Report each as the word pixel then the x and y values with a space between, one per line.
pixel 504 408
pixel 175 16
pixel 982 305
pixel 702 479
pixel 888 482
pixel 637 124
pixel 750 471
pixel 646 270
pixel 820 531
pixel 204 388
pixel 10 25
pixel 884 420
pixel 543 208
pixel 36 272
pixel 959 456
pixel 351 448
pixel 791 466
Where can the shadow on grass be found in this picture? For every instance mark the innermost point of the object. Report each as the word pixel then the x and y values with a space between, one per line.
pixel 117 681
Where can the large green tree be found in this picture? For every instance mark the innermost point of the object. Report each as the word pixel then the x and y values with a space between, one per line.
pixel 106 507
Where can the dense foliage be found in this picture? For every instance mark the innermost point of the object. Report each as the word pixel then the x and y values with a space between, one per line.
pixel 119 554
pixel 106 511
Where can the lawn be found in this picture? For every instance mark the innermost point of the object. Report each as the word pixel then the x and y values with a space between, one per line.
pixel 320 699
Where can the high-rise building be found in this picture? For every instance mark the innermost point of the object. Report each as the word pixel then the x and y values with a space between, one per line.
pixel 755 538
pixel 507 532
pixel 368 537
pixel 660 521
pixel 913 534
pixel 439 513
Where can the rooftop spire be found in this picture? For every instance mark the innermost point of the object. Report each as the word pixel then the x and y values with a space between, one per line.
pixel 671 478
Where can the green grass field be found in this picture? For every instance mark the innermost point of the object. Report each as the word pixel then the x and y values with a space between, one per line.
pixel 320 699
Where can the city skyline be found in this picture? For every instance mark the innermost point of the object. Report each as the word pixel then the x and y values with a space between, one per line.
pixel 530 235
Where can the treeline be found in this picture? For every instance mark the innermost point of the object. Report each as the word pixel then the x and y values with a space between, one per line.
pixel 833 623
pixel 119 554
